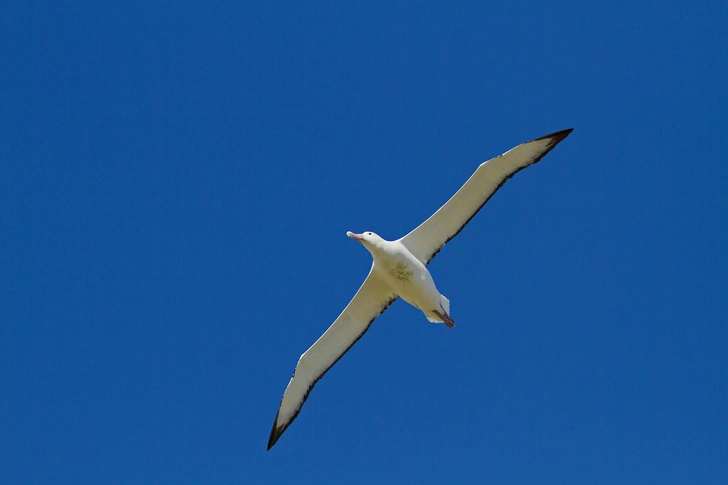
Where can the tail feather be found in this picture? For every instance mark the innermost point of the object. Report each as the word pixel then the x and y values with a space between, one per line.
pixel 432 317
pixel 443 314
pixel 445 304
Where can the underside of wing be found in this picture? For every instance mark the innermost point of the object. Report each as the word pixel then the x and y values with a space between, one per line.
pixel 428 238
pixel 373 297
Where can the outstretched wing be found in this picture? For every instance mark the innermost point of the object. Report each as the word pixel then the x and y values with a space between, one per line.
pixel 370 301
pixel 428 238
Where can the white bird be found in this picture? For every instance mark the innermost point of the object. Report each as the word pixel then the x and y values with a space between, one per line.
pixel 399 270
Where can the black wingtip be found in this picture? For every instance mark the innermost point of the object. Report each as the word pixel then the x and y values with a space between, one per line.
pixel 275 432
pixel 554 139
pixel 272 440
pixel 274 435
pixel 557 136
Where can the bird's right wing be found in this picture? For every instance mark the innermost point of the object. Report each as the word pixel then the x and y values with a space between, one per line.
pixel 428 238
pixel 373 297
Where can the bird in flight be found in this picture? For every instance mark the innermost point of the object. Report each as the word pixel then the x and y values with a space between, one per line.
pixel 399 270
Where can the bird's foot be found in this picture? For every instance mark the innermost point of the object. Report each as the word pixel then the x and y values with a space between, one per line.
pixel 447 319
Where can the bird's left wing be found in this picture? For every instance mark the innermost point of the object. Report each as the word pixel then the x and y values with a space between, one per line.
pixel 373 297
pixel 428 238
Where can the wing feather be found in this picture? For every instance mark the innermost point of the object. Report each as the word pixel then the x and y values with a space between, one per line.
pixel 373 297
pixel 425 241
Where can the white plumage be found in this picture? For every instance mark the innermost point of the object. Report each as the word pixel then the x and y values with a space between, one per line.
pixel 399 270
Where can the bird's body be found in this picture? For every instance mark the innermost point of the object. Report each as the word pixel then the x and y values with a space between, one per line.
pixel 407 277
pixel 399 270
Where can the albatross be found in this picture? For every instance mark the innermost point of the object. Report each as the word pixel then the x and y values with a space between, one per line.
pixel 399 270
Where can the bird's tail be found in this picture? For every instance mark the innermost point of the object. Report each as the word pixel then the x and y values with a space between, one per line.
pixel 442 316
pixel 445 304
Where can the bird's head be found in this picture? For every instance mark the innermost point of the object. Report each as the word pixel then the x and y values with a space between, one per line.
pixel 368 239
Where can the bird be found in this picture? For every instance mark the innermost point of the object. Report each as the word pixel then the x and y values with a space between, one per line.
pixel 399 270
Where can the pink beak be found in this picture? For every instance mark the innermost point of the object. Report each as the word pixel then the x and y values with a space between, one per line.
pixel 358 237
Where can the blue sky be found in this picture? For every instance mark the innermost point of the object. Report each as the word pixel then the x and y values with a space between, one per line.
pixel 178 179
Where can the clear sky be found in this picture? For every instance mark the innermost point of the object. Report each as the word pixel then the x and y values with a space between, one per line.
pixel 177 181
